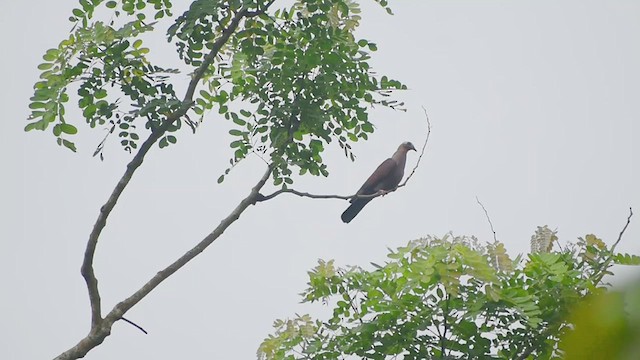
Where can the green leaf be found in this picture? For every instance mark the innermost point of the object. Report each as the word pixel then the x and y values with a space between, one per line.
pixel 626 259
pixel 68 129
pixel 367 127
pixel 57 130
pixel 51 55
pixel 37 105
pixel 32 126
pixel 100 94
pixel 69 145
pixel 45 66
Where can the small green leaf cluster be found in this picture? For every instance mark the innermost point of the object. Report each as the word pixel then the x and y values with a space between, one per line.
pixel 195 31
pixel 135 8
pixel 101 57
pixel 446 298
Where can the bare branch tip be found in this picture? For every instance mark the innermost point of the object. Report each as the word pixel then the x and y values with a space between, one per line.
pixel 135 325
pixel 424 147
pixel 486 213
pixel 624 228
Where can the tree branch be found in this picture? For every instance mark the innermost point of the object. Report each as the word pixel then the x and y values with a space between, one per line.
pixel 162 275
pixel 623 230
pixel 355 196
pixel 318 196
pixel 605 264
pixel 103 329
pixel 443 338
pixel 87 265
pixel 99 330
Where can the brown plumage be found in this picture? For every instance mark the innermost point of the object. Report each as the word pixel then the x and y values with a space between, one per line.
pixel 386 177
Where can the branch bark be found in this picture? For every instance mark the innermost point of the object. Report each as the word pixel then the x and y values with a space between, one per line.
pixel 101 328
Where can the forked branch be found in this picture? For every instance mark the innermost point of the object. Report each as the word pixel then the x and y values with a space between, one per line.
pixel 101 328
pixel 99 333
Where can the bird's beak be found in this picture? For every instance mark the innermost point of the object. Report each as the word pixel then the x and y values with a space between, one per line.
pixel 413 148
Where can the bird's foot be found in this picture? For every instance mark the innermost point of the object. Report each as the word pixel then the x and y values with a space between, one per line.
pixel 383 192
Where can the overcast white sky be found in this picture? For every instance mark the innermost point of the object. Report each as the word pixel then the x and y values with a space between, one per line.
pixel 534 106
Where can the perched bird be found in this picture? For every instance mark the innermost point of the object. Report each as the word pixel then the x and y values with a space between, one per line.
pixel 386 177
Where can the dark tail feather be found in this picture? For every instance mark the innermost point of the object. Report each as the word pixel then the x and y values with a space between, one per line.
pixel 354 209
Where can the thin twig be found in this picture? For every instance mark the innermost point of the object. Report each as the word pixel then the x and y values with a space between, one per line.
pixel 623 229
pixel 443 338
pixel 424 147
pixel 601 269
pixel 353 307
pixel 135 325
pixel 486 213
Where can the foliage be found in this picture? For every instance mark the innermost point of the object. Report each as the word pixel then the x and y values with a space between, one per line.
pixel 101 57
pixel 449 298
pixel 607 326
pixel 291 80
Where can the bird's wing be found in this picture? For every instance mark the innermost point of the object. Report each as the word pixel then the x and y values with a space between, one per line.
pixel 378 178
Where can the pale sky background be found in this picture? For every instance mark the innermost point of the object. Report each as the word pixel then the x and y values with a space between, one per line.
pixel 534 106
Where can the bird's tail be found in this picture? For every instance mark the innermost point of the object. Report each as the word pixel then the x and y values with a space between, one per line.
pixel 354 209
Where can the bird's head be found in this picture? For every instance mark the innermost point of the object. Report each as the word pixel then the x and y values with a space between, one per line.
pixel 407 145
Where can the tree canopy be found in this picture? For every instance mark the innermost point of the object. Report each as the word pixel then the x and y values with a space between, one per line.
pixel 455 298
pixel 292 80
